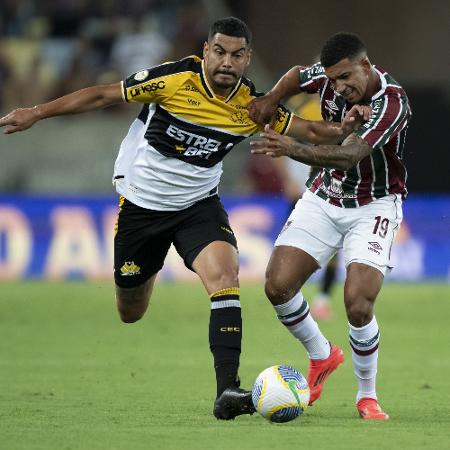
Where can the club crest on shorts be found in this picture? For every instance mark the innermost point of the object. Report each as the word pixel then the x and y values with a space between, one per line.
pixel 129 269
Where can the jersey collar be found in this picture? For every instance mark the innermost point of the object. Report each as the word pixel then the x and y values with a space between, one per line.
pixel 383 84
pixel 209 90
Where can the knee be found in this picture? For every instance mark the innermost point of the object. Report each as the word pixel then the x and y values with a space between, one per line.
pixel 227 277
pixel 278 291
pixel 131 309
pixel 128 316
pixel 359 310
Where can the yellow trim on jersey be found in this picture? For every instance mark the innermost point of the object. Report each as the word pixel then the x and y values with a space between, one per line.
pixel 186 93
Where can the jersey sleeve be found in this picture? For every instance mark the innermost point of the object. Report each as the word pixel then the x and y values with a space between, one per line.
pixel 150 85
pixel 283 120
pixel 390 115
pixel 312 78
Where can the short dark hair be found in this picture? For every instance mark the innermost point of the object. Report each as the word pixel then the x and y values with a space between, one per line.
pixel 340 46
pixel 231 26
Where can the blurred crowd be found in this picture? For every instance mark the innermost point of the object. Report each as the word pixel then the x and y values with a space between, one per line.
pixel 52 47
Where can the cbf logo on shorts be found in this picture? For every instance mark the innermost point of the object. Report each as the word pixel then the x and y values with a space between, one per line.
pixel 194 144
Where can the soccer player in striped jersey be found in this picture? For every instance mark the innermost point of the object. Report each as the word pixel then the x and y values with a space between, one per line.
pixel 167 172
pixel 354 202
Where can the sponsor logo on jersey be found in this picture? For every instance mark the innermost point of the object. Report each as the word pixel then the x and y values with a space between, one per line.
pixel 191 88
pixel 375 247
pixel 226 229
pixel 129 269
pixel 196 145
pixel 281 115
pixel 193 102
pixel 147 88
pixel 335 190
pixel 142 75
pixel 376 107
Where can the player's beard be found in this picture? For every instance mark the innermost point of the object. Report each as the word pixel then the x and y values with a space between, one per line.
pixel 225 83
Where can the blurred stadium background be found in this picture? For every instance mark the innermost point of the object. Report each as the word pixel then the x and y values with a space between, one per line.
pixel 73 377
pixel 57 204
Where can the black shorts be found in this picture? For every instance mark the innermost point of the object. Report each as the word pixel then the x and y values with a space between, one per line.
pixel 143 237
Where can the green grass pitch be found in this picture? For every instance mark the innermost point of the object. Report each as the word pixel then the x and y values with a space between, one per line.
pixel 72 376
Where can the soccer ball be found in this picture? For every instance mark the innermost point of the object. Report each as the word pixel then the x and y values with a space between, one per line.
pixel 280 394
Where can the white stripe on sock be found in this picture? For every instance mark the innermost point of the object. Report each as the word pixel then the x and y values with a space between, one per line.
pixel 307 331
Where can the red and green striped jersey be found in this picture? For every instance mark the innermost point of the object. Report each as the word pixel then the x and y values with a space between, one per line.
pixel 382 172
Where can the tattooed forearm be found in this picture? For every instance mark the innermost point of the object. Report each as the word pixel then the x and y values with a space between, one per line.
pixel 342 157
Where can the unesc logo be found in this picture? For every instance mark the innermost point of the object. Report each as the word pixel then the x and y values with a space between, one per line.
pixel 147 88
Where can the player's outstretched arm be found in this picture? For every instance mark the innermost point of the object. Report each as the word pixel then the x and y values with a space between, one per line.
pixel 341 157
pixel 324 132
pixel 94 97
pixel 262 109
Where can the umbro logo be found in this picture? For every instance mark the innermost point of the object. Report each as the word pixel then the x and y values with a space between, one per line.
pixel 375 247
pixel 332 105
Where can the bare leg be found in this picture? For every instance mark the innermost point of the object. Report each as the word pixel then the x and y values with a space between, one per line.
pixel 362 285
pixel 217 265
pixel 288 270
pixel 133 302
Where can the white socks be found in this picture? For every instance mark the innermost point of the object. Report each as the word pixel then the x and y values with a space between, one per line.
pixel 296 317
pixel 364 343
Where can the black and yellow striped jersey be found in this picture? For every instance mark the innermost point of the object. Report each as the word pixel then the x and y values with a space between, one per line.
pixel 172 155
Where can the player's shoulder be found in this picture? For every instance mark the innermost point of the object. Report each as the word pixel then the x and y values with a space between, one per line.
pixel 390 86
pixel 191 63
pixel 248 85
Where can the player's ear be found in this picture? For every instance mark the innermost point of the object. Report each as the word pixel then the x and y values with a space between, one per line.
pixel 205 49
pixel 249 57
pixel 366 63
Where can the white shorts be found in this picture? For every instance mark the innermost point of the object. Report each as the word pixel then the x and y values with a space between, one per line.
pixel 366 233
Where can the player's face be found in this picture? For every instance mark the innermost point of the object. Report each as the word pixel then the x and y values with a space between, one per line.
pixel 226 58
pixel 350 78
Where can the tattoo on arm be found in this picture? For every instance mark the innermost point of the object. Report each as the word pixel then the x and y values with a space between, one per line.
pixel 342 157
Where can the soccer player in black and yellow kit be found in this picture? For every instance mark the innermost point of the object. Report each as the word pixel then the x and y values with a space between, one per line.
pixel 167 172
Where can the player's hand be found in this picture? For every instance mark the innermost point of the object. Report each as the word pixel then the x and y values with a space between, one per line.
pixel 273 144
pixel 354 118
pixel 262 110
pixel 19 120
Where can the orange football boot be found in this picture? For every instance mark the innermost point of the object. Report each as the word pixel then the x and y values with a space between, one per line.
pixel 369 409
pixel 320 369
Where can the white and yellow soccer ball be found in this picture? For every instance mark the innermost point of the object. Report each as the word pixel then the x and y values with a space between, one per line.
pixel 280 393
